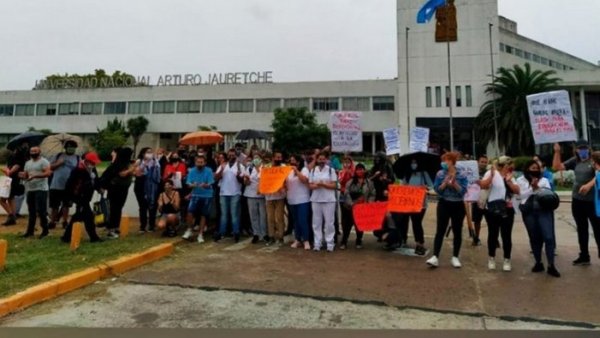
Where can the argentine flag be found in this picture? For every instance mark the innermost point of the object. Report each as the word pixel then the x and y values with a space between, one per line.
pixel 428 10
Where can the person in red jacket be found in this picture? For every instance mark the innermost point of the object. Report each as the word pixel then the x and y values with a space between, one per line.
pixel 345 175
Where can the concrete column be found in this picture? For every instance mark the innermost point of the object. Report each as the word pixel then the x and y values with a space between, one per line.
pixel 584 117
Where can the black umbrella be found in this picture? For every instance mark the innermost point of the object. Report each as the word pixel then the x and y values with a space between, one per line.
pixel 427 162
pixel 251 134
pixel 33 138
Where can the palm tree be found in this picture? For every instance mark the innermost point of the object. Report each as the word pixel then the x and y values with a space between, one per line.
pixel 509 93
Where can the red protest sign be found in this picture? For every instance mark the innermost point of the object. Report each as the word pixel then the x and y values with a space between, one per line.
pixel 406 199
pixel 369 216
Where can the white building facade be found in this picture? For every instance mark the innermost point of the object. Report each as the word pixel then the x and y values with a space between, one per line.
pixel 420 96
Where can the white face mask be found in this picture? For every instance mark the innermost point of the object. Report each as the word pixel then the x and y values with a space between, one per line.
pixel 148 156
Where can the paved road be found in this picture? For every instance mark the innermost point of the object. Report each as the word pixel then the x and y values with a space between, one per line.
pixel 229 285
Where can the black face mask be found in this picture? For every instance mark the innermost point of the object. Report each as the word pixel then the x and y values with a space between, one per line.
pixel 277 163
pixel 174 160
pixel 34 156
pixel 534 174
pixel 200 167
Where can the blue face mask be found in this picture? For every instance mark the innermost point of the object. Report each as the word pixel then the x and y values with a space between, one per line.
pixel 414 166
pixel 584 154
pixel 444 166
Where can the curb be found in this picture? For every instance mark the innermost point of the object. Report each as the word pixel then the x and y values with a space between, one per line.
pixel 74 281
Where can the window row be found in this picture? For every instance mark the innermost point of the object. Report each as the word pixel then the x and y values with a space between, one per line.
pixel 533 57
pixel 378 103
pixel 458 96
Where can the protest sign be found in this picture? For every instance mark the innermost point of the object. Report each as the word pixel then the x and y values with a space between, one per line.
pixel 473 192
pixel 470 169
pixel 5 184
pixel 551 117
pixel 346 132
pixel 391 137
pixel 419 140
pixel 369 216
pixel 272 179
pixel 406 199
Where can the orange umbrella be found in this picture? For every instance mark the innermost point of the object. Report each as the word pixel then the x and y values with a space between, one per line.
pixel 201 138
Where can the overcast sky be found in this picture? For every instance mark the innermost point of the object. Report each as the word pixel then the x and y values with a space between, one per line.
pixel 299 40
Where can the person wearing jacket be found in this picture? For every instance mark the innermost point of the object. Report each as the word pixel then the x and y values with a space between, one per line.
pixel 147 183
pixel 358 190
pixel 451 187
pixel 116 180
pixel 79 188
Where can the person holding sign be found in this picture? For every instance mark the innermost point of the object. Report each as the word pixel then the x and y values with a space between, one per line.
pixel 298 197
pixel 358 190
pixel 451 186
pixel 582 207
pixel 419 178
pixel 500 213
pixel 275 203
pixel 323 182
pixel 255 200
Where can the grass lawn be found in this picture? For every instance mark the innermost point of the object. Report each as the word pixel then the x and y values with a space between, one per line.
pixel 31 261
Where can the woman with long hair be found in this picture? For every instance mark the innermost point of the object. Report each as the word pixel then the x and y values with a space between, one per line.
pixel 538 222
pixel 169 203
pixel 358 190
pixel 451 187
pixel 323 182
pixel 298 198
pixel 147 182
pixel 116 180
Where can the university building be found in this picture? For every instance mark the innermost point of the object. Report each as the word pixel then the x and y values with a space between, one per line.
pixel 419 96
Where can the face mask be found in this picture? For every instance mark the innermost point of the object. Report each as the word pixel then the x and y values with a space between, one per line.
pixel 89 167
pixel 535 174
pixel 277 163
pixel 256 162
pixel 321 164
pixel 360 173
pixel 414 166
pixel 148 156
pixel 174 160
pixel 70 151
pixel 445 166
pixel 584 154
pixel 34 156
pixel 238 152
pixel 200 167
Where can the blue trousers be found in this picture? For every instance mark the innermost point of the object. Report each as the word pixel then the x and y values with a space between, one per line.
pixel 540 227
pixel 230 208
pixel 300 213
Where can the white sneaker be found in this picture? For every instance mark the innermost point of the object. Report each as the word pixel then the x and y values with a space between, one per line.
pixel 491 263
pixel 507 266
pixel 433 262
pixel 455 262
pixel 200 239
pixel 188 234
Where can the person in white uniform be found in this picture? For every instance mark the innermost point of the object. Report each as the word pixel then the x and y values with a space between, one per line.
pixel 322 182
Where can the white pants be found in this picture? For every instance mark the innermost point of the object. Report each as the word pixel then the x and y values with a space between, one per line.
pixel 323 212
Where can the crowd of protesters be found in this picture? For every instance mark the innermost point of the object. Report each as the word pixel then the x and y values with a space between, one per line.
pixel 180 192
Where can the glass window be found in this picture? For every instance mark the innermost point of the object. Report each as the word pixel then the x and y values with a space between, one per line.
pixel 326 104
pixel 469 96
pixel 188 107
pixel 91 108
pixel 115 108
pixel 536 58
pixel 356 103
pixel 68 109
pixel 46 109
pixel 519 52
pixel 296 103
pixel 214 106
pixel 509 49
pixel 383 103
pixel 447 91
pixel 438 96
pixel 241 106
pixel 458 94
pixel 428 97
pixel 139 108
pixel 544 61
pixel 7 110
pixel 25 110
pixel 527 55
pixel 163 107
pixel 502 47
pixel 267 105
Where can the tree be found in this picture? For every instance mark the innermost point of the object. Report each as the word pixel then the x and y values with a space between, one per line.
pixel 136 127
pixel 509 93
pixel 114 135
pixel 296 130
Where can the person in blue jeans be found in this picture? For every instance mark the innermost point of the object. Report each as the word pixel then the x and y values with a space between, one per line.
pixel 200 180
pixel 230 175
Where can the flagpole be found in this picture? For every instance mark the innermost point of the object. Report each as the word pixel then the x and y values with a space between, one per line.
pixel 407 87
pixel 450 97
pixel 494 93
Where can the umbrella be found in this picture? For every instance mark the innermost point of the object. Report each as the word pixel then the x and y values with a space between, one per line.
pixel 201 138
pixel 252 134
pixel 429 163
pixel 54 144
pixel 33 138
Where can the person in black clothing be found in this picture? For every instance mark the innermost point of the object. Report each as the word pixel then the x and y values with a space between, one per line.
pixel 116 181
pixel 382 175
pixel 80 188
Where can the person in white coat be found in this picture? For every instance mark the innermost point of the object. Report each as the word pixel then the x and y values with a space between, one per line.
pixel 323 183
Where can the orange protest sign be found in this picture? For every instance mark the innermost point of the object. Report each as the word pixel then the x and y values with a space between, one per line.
pixel 369 216
pixel 405 199
pixel 272 179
